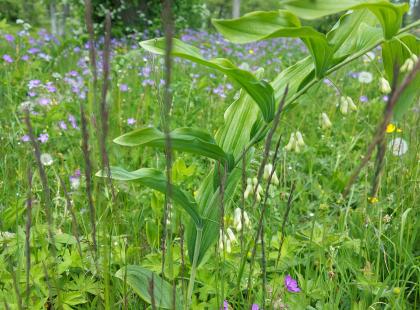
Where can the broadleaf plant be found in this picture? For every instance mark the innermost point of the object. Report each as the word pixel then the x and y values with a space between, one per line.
pixel 363 26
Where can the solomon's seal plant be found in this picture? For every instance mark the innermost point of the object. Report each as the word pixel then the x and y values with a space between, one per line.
pixel 363 26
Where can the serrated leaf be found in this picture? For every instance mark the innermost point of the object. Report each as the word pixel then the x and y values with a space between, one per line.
pixel 140 279
pixel 258 26
pixel 259 90
pixel 156 180
pixel 388 14
pixel 186 139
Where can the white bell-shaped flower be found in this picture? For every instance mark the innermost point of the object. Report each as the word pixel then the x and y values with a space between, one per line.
pixel 325 121
pixel 384 86
pixel 248 189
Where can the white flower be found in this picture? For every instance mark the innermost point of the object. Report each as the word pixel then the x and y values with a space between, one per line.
pixel 295 142
pixel 325 121
pixel 258 188
pixel 268 169
pixel 299 138
pixel 231 235
pixel 346 104
pixel 248 189
pixel 398 146
pixel 291 145
pixel 409 63
pixel 368 57
pixel 384 86
pixel 46 159
pixel 365 77
pixel 237 219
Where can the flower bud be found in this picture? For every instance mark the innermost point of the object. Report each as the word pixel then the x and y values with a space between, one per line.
pixel 344 105
pixel 231 235
pixel 290 146
pixel 384 86
pixel 248 189
pixel 352 106
pixel 258 189
pixel 408 65
pixel 299 139
pixel 325 121
pixel 268 169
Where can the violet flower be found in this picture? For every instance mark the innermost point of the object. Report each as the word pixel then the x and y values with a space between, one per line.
pixel 291 284
pixel 7 58
pixel 225 305
pixel 255 307
pixel 43 137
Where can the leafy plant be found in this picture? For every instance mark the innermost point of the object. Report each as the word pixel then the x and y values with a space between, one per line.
pixel 364 26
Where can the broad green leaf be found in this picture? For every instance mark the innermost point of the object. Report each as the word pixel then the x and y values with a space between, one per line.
pixel 233 137
pixel 144 282
pixel 389 15
pixel 394 53
pixel 259 90
pixel 156 180
pixel 189 140
pixel 295 76
pixel 258 26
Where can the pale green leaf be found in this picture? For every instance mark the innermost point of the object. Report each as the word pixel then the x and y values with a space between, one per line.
pixel 259 90
pixel 147 284
pixel 190 140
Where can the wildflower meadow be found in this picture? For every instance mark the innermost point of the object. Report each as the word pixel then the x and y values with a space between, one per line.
pixel 205 154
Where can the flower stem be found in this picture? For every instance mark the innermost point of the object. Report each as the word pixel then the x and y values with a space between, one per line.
pixel 194 265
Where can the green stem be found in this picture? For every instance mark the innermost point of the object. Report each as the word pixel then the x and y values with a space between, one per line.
pixel 194 265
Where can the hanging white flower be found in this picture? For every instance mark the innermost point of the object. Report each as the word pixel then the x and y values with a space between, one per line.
pixel 46 159
pixel 258 188
pixel 398 146
pixel 384 86
pixel 409 63
pixel 325 121
pixel 347 104
pixel 268 169
pixel 365 77
pixel 248 189
pixel 237 219
pixel 231 235
pixel 291 145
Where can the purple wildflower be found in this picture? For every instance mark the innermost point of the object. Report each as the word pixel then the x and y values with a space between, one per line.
pixel 291 284
pixel 9 37
pixel 255 307
pixel 385 98
pixel 34 83
pixel 62 125
pixel 363 99
pixel 72 121
pixel 225 305
pixel 131 121
pixel 25 138
pixel 50 87
pixel 44 101
pixel 123 87
pixel 7 58
pixel 25 57
pixel 43 137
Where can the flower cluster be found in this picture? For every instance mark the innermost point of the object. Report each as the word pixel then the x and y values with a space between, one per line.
pixel 296 142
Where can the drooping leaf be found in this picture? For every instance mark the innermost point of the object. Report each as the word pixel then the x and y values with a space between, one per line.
pixel 258 26
pixel 156 180
pixel 186 139
pixel 144 282
pixel 259 90
pixel 394 54
pixel 388 14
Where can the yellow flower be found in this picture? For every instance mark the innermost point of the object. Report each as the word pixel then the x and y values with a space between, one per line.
pixel 390 128
pixel 251 51
pixel 373 200
pixel 399 130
